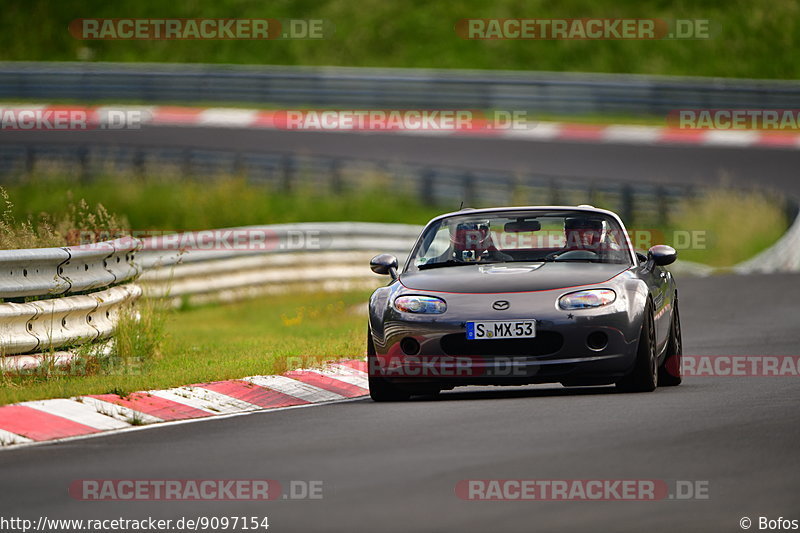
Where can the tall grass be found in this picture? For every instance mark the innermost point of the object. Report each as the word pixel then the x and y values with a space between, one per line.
pixel 138 338
pixel 750 39
pixel 736 225
pixel 171 203
pixel 75 222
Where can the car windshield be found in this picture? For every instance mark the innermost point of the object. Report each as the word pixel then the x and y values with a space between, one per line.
pixel 521 236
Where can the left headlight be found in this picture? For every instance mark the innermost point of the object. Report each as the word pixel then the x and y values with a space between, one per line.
pixel 587 299
pixel 420 304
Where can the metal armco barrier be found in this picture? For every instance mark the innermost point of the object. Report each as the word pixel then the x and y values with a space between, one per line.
pixel 295 257
pixel 57 322
pixel 34 318
pixel 32 272
pixel 99 265
pixel 246 277
pixel 53 271
pixel 547 92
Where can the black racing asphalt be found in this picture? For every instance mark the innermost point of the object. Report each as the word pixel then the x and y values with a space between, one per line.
pixel 774 168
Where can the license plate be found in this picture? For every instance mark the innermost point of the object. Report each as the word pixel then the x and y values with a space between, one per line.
pixel 501 329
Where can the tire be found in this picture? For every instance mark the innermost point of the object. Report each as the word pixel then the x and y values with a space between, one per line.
pixel 669 373
pixel 644 377
pixel 381 390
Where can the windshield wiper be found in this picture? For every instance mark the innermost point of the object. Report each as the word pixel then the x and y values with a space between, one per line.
pixel 452 262
pixel 438 264
pixel 568 260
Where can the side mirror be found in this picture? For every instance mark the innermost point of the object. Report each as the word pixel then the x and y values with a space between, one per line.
pixel 384 264
pixel 662 255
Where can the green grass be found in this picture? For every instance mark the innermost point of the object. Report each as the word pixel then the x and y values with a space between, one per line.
pixel 752 39
pixel 255 337
pixel 173 204
pixel 737 225
pixel 23 228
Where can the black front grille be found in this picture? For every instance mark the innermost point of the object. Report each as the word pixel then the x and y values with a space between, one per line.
pixel 545 342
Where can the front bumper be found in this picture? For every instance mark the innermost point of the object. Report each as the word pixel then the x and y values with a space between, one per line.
pixel 433 348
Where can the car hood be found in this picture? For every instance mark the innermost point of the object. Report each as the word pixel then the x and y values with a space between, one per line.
pixel 510 277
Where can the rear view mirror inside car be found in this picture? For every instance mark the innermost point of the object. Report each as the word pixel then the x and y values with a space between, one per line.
pixel 521 225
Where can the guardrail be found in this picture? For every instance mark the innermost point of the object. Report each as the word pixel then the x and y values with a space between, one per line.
pixel 310 256
pixel 549 92
pixel 53 271
pixel 62 322
pixel 61 297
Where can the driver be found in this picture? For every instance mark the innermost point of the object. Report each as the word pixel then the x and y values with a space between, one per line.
pixel 473 242
pixel 583 233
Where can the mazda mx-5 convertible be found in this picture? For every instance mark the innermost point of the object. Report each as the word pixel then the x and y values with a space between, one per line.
pixel 521 295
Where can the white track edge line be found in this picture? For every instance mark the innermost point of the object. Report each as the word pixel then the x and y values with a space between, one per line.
pixel 174 423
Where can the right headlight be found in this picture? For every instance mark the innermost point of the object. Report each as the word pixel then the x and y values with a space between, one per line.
pixel 587 299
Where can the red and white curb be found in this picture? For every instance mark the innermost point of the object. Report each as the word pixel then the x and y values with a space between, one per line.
pixel 541 131
pixel 47 420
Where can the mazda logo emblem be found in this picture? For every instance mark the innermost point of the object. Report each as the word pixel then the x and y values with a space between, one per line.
pixel 501 305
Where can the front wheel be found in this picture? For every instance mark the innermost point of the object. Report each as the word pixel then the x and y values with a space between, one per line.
pixel 381 390
pixel 669 373
pixel 644 377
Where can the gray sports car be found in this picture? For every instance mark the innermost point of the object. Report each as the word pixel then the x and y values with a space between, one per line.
pixel 520 295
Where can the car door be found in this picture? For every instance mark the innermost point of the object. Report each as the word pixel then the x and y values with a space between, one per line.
pixel 658 282
pixel 662 300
